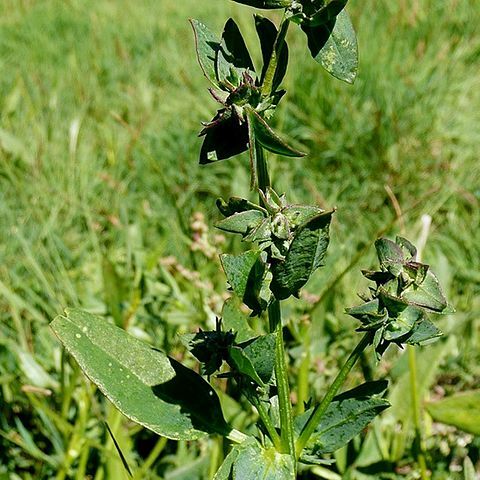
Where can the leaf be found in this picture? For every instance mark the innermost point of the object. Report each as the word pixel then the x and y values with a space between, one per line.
pixel 422 333
pixel 255 462
pixel 234 319
pixel 390 256
pixel 233 57
pixel 427 295
pixel 223 473
pixel 143 383
pixel 268 138
pixel 403 323
pixel 347 415
pixel 462 410
pixel 266 4
pixel 297 215
pixel 246 274
pixel 305 255
pixel 334 46
pixel 327 13
pixel 242 222
pixel 225 137
pixel 207 46
pixel 267 34
pixel 255 358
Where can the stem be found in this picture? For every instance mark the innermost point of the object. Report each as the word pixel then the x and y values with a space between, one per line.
pixel 321 408
pixel 267 86
pixel 267 421
pixel 417 421
pixel 281 374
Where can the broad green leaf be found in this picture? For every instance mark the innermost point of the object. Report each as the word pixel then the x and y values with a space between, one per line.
pixel 306 253
pixel 235 320
pixel 268 138
pixel 267 34
pixel 423 332
pixel 266 4
pixel 242 222
pixel 225 137
pixel 233 57
pixel 255 358
pixel 207 47
pixel 327 13
pixel 256 463
pixel 390 256
pixel 427 295
pixel 462 410
pixel 246 274
pixel 297 215
pixel 143 383
pixel 237 205
pixel 403 323
pixel 334 46
pixel 369 313
pixel 223 473
pixel 346 417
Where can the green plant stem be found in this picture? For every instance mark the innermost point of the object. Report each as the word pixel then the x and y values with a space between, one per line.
pixel 267 421
pixel 321 408
pixel 236 436
pixel 417 420
pixel 281 374
pixel 267 86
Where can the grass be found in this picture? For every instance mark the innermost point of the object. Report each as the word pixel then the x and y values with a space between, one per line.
pixel 100 104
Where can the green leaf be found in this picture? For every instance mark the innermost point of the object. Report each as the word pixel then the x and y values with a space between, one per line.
pixel 143 383
pixel 207 46
pixel 462 410
pixel 266 4
pixel 347 415
pixel 334 46
pixel 233 57
pixel 427 295
pixel 223 473
pixel 255 462
pixel 390 256
pixel 403 323
pixel 255 358
pixel 234 319
pixel 327 13
pixel 246 274
pixel 242 222
pixel 267 34
pixel 225 137
pixel 423 332
pixel 268 138
pixel 306 253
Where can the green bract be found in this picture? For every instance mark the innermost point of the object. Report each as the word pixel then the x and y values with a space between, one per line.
pixel 405 290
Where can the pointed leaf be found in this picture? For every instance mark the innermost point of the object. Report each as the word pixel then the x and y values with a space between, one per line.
pixel 235 320
pixel 268 138
pixel 305 255
pixel 334 46
pixel 267 34
pixel 246 274
pixel 243 222
pixel 266 4
pixel 207 47
pixel 390 256
pixel 423 332
pixel 225 137
pixel 255 358
pixel 233 57
pixel 143 383
pixel 427 295
pixel 346 417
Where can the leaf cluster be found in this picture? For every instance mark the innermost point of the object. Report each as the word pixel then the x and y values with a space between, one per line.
pixel 405 290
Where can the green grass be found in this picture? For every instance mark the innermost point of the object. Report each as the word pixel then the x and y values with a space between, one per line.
pixel 100 105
